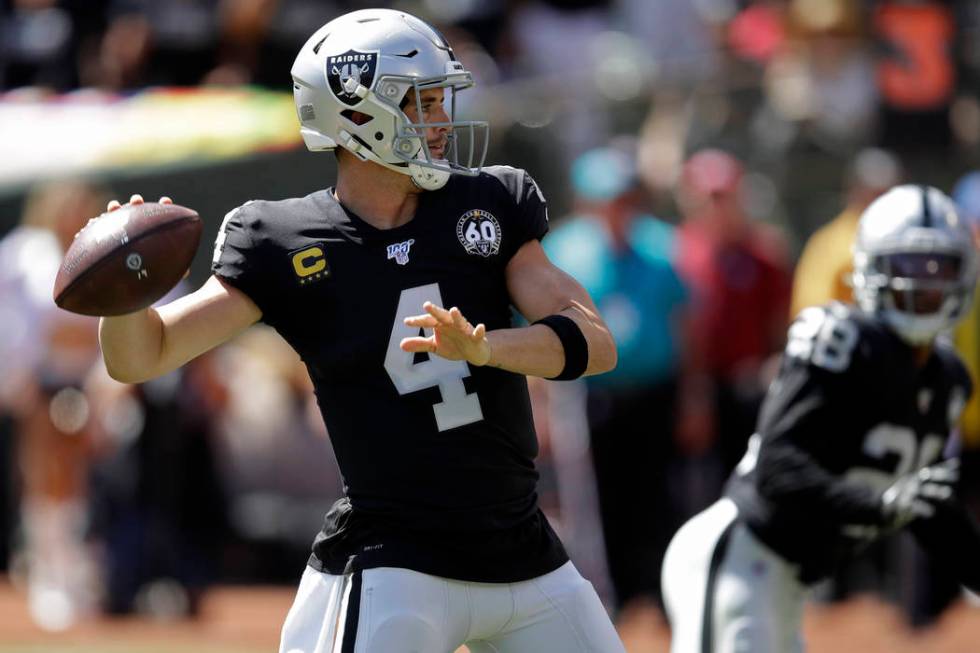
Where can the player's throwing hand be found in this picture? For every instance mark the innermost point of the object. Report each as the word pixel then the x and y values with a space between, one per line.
pixel 453 337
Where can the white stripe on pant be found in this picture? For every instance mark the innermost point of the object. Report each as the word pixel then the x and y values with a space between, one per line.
pixel 753 598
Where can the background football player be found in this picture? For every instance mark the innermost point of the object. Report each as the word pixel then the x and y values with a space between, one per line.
pixel 849 443
pixel 439 541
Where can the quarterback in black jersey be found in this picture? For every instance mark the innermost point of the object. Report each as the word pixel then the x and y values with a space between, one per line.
pixel 439 541
pixel 849 443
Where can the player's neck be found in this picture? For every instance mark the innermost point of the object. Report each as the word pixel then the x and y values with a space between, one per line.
pixel 921 354
pixel 383 198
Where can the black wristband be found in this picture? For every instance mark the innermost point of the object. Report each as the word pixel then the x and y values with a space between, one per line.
pixel 573 342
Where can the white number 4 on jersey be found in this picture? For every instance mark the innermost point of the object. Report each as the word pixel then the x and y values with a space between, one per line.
pixel 457 408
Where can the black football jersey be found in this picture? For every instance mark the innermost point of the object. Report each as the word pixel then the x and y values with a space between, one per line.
pixel 849 412
pixel 437 456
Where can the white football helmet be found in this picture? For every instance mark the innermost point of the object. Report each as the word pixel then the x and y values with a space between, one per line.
pixel 365 62
pixel 915 265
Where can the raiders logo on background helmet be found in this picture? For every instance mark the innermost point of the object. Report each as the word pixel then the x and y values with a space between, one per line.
pixel 350 70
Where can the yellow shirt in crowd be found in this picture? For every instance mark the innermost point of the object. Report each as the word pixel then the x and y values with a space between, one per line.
pixel 825 264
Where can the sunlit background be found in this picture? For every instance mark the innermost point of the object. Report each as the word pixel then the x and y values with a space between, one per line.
pixel 178 515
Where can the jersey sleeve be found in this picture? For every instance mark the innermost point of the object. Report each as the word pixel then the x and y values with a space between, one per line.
pixel 799 417
pixel 529 220
pixel 533 208
pixel 236 256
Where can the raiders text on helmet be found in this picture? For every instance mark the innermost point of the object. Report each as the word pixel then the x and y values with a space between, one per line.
pixel 915 264
pixel 366 62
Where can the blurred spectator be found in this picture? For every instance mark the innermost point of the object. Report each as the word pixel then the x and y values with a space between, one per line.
pixel 185 37
pixel 38 41
pixel 213 471
pixel 739 274
pixel 277 462
pixel 44 359
pixel 677 35
pixel 188 42
pixel 823 76
pixel 158 504
pixel 623 257
pixel 30 255
pixel 757 31
pixel 261 37
pixel 823 270
pixel 54 449
pixel 119 62
pixel 542 31
pixel 917 73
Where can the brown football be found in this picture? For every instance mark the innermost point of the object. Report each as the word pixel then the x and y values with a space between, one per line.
pixel 127 259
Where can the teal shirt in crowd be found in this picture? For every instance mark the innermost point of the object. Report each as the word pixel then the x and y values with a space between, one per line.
pixel 638 293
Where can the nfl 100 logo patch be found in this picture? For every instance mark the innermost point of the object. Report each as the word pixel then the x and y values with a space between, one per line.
pixel 479 232
pixel 399 251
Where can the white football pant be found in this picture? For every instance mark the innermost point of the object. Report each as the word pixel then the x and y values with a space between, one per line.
pixel 392 610
pixel 726 592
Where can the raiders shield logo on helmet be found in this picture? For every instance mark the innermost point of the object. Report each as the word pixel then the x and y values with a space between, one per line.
pixel 349 71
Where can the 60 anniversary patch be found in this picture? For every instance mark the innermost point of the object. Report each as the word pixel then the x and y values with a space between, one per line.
pixel 479 232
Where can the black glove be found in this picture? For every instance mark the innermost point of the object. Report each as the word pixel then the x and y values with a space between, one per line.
pixel 918 494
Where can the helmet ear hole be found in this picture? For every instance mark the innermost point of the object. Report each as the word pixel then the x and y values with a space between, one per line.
pixel 357 117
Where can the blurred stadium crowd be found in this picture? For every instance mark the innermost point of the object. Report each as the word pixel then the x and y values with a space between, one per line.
pixel 690 149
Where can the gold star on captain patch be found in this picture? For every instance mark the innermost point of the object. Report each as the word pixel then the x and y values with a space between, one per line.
pixel 316 276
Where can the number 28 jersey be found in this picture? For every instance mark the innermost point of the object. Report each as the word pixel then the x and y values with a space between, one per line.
pixel 437 456
pixel 849 412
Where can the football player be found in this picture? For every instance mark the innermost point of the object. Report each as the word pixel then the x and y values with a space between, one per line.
pixel 849 443
pixel 395 287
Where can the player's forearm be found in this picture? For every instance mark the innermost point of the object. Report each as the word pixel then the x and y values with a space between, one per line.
pixel 145 345
pixel 790 476
pixel 536 350
pixel 131 345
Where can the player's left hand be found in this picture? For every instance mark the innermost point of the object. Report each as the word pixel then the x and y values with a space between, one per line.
pixel 917 495
pixel 453 338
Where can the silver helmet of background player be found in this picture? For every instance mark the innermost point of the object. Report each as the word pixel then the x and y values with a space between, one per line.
pixel 915 264
pixel 366 62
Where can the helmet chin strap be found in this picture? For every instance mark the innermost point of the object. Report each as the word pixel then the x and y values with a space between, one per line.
pixel 428 178
pixel 422 176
